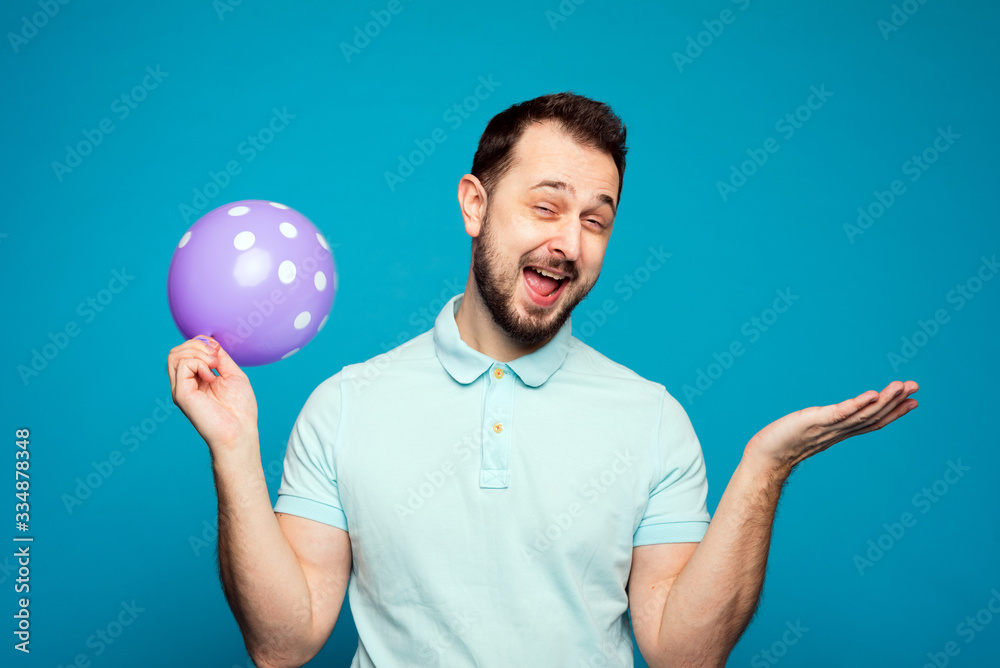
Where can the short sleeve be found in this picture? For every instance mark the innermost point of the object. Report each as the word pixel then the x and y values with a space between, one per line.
pixel 677 510
pixel 309 479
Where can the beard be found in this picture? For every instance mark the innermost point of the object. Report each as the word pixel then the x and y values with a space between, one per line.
pixel 497 285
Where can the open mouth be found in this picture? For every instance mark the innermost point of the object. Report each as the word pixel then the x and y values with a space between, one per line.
pixel 543 286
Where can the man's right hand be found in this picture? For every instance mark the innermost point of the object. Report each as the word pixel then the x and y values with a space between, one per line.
pixel 222 408
pixel 284 576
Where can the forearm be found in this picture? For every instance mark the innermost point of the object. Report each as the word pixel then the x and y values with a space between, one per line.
pixel 713 599
pixel 261 576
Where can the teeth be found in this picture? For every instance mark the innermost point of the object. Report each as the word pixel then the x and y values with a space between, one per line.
pixel 547 273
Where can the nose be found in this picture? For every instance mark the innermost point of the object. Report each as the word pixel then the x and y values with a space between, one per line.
pixel 565 240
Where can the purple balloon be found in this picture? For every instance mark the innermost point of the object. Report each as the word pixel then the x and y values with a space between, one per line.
pixel 257 276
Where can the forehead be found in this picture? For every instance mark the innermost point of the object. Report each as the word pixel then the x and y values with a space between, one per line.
pixel 547 153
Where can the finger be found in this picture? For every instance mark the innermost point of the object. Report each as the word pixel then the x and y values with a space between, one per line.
pixel 198 344
pixel 887 399
pixel 184 381
pixel 897 412
pixel 203 342
pixel 900 393
pixel 205 372
pixel 209 359
pixel 894 394
pixel 189 371
pixel 845 409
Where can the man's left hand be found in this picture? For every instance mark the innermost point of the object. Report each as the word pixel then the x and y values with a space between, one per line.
pixel 800 435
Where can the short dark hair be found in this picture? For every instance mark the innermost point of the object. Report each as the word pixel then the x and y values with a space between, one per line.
pixel 587 121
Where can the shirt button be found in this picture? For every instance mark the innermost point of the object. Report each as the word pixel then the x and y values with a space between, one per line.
pixel 497 427
pixel 498 373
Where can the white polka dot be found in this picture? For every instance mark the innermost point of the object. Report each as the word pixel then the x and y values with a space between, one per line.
pixel 320 280
pixel 322 241
pixel 186 238
pixel 288 230
pixel 279 206
pixel 302 319
pixel 244 240
pixel 323 321
pixel 238 210
pixel 286 271
pixel 290 353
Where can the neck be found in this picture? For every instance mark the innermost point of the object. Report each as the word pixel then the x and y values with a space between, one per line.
pixel 477 328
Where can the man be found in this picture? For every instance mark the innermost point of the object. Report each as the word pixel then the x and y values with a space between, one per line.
pixel 494 492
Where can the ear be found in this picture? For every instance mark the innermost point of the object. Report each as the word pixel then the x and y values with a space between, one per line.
pixel 472 202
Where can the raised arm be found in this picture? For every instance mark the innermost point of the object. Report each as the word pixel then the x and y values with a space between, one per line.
pixel 283 576
pixel 692 611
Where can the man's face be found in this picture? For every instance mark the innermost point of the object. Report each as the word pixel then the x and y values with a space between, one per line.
pixel 553 210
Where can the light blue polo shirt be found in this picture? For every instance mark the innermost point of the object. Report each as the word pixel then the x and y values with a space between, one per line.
pixel 493 507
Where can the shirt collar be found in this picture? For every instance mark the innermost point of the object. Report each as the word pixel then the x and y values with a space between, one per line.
pixel 466 364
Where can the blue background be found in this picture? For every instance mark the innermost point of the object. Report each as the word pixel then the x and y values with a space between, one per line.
pixel 145 534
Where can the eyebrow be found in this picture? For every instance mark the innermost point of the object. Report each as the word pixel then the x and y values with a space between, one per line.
pixel 562 185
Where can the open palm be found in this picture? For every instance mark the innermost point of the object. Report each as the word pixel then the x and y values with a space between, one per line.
pixel 802 434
